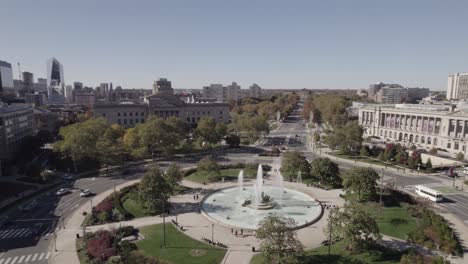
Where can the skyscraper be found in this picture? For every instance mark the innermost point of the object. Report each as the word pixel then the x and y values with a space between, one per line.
pixel 6 76
pixel 55 77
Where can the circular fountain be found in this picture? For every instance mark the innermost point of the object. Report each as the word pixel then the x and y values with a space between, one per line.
pixel 245 206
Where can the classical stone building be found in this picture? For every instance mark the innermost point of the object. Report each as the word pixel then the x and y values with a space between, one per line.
pixel 163 105
pixel 425 126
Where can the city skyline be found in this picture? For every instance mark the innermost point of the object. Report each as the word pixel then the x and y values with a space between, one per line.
pixel 333 45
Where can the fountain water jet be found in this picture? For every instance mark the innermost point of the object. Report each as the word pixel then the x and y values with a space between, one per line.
pixel 299 177
pixel 240 180
pixel 259 184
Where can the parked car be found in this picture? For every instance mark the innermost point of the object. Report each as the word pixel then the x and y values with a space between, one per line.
pixel 67 177
pixel 63 191
pixel 28 206
pixel 86 193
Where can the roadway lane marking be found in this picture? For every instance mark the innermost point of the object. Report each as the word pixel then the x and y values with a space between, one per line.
pixel 47 256
pixel 40 256
pixel 34 257
pixel 21 259
pixel 1 261
pixel 13 261
pixel 27 258
pixel 7 260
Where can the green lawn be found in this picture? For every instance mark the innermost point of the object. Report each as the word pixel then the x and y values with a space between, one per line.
pixel 446 189
pixel 340 256
pixel 228 174
pixel 180 247
pixel 363 159
pixel 133 207
pixel 395 221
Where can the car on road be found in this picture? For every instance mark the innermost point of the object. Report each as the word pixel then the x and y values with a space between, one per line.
pixel 67 177
pixel 86 193
pixel 28 206
pixel 63 191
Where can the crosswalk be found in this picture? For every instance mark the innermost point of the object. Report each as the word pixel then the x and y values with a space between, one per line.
pixel 28 258
pixel 14 233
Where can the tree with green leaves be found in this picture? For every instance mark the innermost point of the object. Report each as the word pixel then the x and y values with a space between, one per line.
pixel 206 130
pixel 460 156
pixel 361 181
pixel 208 166
pixel 354 224
pixel 154 190
pixel 110 147
pixel 326 171
pixel 233 140
pixel 292 163
pixel 280 243
pixel 173 175
pixel 79 140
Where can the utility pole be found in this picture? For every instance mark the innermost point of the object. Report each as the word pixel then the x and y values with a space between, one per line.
pixel 212 233
pixel 164 222
pixel 381 187
pixel 330 235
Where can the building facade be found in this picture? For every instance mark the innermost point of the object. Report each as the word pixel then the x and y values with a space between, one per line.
pixel 425 126
pixel 162 85
pixel 222 93
pixel 162 105
pixel 16 123
pixel 6 76
pixel 457 86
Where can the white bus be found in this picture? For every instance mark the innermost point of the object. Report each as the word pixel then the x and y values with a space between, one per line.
pixel 428 193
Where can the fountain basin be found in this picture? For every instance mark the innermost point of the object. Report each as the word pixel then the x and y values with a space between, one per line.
pixel 225 206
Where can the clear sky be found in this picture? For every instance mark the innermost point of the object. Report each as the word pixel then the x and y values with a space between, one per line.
pixel 277 44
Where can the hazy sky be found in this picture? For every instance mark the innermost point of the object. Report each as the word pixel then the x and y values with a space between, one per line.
pixel 277 44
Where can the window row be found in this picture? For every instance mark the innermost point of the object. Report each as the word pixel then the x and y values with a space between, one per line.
pixel 130 113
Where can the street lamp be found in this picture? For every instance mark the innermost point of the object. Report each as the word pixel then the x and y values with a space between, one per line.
pixel 61 217
pixel 212 233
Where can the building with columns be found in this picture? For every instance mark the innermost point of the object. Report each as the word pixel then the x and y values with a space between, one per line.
pixel 425 126
pixel 163 105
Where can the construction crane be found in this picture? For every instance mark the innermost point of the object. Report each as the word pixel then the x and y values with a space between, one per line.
pixel 19 69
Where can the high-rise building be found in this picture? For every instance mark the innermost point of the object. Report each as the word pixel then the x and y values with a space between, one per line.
pixel 222 93
pixel 78 86
pixel 457 87
pixel 162 85
pixel 28 78
pixel 55 76
pixel 41 85
pixel 255 90
pixel 6 76
pixel 69 93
